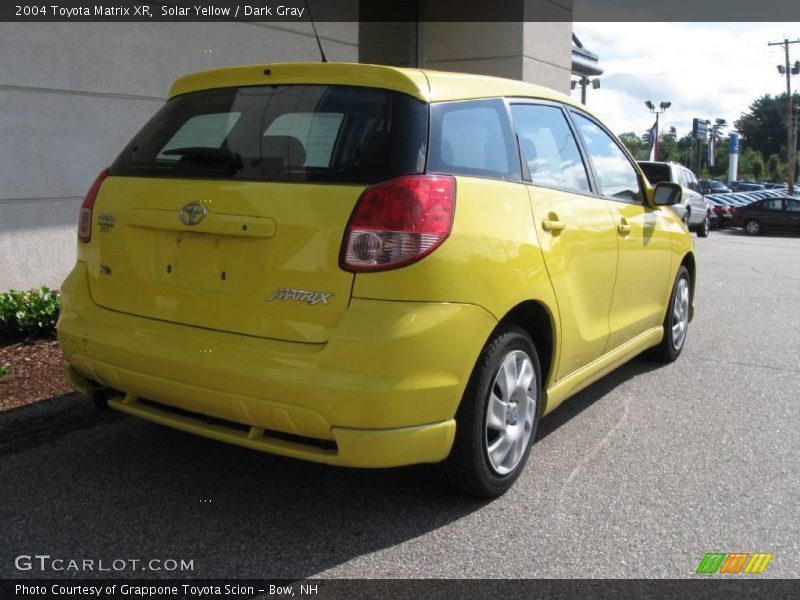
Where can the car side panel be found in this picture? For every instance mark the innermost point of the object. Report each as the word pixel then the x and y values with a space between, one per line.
pixel 491 259
pixel 644 274
pixel 581 261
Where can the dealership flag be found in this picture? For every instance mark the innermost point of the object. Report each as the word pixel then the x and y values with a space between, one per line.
pixel 654 141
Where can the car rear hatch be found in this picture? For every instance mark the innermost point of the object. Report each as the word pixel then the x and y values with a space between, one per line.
pixel 227 210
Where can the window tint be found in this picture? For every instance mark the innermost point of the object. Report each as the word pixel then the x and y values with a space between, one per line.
pixel 773 204
pixel 616 175
pixel 472 138
pixel 282 133
pixel 317 133
pixel 549 148
pixel 793 206
pixel 201 131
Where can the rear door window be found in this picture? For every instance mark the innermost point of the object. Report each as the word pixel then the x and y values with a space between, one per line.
pixel 473 138
pixel 282 133
pixel 548 147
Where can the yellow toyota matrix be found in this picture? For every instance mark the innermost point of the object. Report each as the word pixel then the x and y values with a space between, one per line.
pixel 369 266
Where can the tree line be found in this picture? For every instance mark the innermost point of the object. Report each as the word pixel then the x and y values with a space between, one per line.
pixel 762 144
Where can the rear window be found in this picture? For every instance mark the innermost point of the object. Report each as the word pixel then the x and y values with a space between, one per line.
pixel 655 172
pixel 282 133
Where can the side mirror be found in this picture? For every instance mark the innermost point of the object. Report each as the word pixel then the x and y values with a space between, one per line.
pixel 667 194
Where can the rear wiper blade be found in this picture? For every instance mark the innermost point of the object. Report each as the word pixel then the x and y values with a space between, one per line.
pixel 205 153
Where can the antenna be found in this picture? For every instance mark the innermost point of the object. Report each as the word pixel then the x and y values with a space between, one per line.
pixel 316 35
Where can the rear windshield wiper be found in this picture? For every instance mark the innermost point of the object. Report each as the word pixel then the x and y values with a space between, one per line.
pixel 206 154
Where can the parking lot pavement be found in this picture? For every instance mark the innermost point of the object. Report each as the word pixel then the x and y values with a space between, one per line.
pixel 638 476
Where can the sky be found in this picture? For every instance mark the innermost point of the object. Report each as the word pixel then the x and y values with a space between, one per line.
pixel 707 70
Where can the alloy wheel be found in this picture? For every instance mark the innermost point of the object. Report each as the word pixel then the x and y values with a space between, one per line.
pixel 510 412
pixel 680 313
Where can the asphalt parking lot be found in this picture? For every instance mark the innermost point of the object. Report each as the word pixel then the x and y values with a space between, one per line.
pixel 638 476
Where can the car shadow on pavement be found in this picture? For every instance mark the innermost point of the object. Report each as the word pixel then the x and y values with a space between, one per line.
pixel 107 486
pixel 79 483
pixel 597 391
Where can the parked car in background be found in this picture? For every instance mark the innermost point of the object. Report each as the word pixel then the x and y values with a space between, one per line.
pixel 722 210
pixel 367 266
pixel 770 214
pixel 744 186
pixel 694 211
pixel 712 186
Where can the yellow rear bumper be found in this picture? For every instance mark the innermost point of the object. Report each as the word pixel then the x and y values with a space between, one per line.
pixel 381 392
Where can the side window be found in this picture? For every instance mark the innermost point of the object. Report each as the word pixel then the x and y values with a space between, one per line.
pixel 793 206
pixel 615 174
pixel 773 204
pixel 695 183
pixel 549 148
pixel 683 179
pixel 472 138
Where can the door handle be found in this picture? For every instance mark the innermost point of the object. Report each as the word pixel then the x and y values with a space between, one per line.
pixel 549 225
pixel 623 228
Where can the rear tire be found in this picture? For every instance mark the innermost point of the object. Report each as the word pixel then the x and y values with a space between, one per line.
pixel 676 321
pixel 705 227
pixel 497 419
pixel 753 227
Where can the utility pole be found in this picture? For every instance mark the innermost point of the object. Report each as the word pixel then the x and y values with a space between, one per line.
pixel 788 70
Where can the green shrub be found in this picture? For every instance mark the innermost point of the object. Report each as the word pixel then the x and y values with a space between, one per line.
pixel 29 314
pixel 4 370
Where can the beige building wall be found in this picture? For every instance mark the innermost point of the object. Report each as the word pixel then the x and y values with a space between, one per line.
pixel 536 46
pixel 536 52
pixel 73 94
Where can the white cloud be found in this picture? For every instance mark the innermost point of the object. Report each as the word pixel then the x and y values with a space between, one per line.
pixel 707 70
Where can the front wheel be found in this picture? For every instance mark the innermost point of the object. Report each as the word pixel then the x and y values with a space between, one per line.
pixel 496 421
pixel 676 322
pixel 705 227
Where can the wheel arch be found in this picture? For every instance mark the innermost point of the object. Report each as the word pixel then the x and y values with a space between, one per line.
pixel 690 263
pixel 538 322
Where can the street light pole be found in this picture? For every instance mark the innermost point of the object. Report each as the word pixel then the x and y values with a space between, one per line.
pixel 584 82
pixel 663 106
pixel 788 70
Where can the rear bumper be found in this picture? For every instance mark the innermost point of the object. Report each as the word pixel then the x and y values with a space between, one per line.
pixel 381 392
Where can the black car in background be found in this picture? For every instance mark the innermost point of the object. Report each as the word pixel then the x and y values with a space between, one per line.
pixel 769 214
pixel 712 186
pixel 744 186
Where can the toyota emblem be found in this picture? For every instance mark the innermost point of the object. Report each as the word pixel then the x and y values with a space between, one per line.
pixel 192 213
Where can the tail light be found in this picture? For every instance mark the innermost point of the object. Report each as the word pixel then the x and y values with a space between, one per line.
pixel 85 217
pixel 398 222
